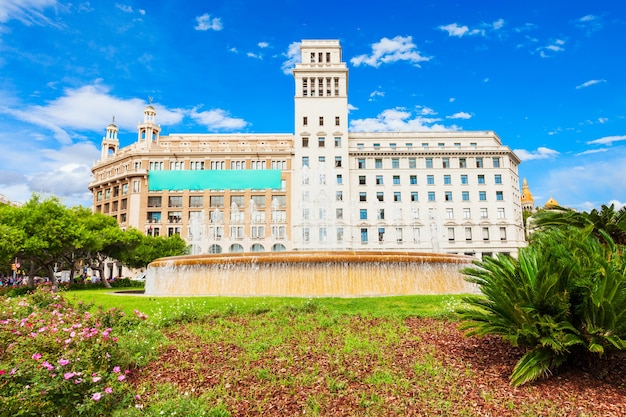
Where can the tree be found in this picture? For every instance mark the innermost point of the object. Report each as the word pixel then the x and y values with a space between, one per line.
pixel 563 298
pixel 151 248
pixel 607 219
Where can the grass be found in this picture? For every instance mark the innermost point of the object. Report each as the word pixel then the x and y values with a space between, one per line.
pixel 231 356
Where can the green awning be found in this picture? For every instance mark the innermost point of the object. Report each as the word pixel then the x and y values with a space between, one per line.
pixel 214 180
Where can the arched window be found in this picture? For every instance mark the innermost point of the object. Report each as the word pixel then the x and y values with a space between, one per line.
pixel 235 248
pixel 279 247
pixel 215 249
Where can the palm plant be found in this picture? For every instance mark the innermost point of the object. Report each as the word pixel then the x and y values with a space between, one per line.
pixel 612 221
pixel 565 294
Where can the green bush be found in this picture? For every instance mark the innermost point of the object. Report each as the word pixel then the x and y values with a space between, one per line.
pixel 565 296
pixel 60 360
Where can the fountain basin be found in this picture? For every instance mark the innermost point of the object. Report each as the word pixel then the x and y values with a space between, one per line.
pixel 309 274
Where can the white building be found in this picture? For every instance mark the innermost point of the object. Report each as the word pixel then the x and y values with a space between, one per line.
pixel 327 188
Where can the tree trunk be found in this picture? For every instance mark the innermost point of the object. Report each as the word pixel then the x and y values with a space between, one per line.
pixel 31 275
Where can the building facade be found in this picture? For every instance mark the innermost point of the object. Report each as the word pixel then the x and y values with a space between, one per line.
pixel 319 188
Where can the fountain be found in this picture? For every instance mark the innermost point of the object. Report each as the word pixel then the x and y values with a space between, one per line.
pixel 309 274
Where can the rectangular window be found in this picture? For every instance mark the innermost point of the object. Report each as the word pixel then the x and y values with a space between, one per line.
pixel 431 196
pixel 482 195
pixel 216 201
pixel 496 162
pixel 412 163
pixel 339 179
pixel 485 233
pixel 395 163
pixel 451 234
pixel 468 233
pixel 305 234
pixel 321 142
pixel 414 196
pixel 483 213
pixel 321 117
pixel 259 201
pixel 498 179
pixel 339 213
pixel 323 234
pixel 501 212
pixel 362 180
pixel 362 196
pixel 154 201
pixel 447 179
pixel 467 213
pixel 196 201
pixel 499 196
pixel 479 162
pixel 481 179
pixel 361 163
pixel 305 142
pixel 445 162
pixel 305 120
pixel 363 235
pixel 465 195
pixel 429 162
pixel 339 196
pixel 464 179
pixel 396 180
pixel 430 179
pixel 377 146
pixel 381 234
pixel 338 162
pixel 378 163
pixel 340 234
pixel 449 213
pixel 448 195
pixel 380 214
pixel 363 214
pixel 462 163
pixel 305 161
pixel 399 235
pixel 337 121
pixel 503 233
pixel 176 165
pixel 337 142
pixel 380 196
pixel 392 145
pixel 175 201
pixel 379 180
pixel 397 196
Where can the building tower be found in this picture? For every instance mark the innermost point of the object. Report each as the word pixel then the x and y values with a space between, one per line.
pixel 148 131
pixel 110 143
pixel 321 174
pixel 528 203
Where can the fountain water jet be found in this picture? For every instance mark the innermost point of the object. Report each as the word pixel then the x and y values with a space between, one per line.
pixel 309 274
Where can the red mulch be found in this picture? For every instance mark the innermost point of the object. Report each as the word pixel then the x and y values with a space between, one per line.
pixel 472 377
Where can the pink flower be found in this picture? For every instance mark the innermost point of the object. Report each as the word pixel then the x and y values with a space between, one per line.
pixel 63 362
pixel 108 390
pixel 69 375
pixel 2 371
pixel 116 369
pixel 37 356
pixel 47 365
pixel 121 377
pixel 96 379
pixel 96 396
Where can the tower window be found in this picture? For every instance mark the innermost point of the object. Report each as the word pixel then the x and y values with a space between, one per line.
pixel 305 121
pixel 321 120
pixel 337 121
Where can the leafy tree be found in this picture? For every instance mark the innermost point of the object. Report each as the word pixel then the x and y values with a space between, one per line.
pixel 607 219
pixel 564 297
pixel 151 248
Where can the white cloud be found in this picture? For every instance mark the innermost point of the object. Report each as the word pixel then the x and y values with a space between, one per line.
pixel 391 50
pixel 218 119
pixel 293 57
pixel 352 108
pixel 539 153
pixel 263 44
pixel 90 108
pixel 592 151
pixel 589 83
pixel 205 22
pixel 124 8
pixel 460 115
pixel 253 55
pixel 454 29
pixel 556 46
pixel 400 120
pixel 29 12
pixel 607 140
pixel 425 111
pixel 452 100
pixel 376 93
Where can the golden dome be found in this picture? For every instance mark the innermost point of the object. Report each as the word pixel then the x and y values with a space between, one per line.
pixel 551 203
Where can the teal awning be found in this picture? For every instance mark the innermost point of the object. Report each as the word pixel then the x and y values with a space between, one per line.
pixel 214 180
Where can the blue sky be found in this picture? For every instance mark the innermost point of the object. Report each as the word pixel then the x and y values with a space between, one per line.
pixel 547 76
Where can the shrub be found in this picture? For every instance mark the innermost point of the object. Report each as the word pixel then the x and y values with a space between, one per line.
pixel 60 360
pixel 564 296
